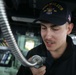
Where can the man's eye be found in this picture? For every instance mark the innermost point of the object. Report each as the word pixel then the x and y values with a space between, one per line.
pixel 43 27
pixel 55 29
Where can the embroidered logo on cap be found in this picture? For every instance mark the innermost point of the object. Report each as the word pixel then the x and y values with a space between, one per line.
pixel 48 9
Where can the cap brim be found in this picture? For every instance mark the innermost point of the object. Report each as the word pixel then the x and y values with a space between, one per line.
pixel 53 19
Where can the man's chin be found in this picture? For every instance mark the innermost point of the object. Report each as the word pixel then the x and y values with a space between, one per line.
pixel 50 49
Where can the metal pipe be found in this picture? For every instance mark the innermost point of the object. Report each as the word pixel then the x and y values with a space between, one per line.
pixel 8 35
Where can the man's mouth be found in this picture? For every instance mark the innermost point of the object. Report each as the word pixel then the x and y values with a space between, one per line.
pixel 49 43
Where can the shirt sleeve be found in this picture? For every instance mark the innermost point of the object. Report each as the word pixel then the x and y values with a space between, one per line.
pixel 24 71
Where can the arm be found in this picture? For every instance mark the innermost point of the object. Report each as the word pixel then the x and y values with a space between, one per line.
pixel 24 71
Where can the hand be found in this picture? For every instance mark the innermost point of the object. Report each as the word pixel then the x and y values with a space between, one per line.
pixel 38 71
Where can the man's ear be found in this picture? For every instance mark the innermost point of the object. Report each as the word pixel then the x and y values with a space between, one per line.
pixel 70 27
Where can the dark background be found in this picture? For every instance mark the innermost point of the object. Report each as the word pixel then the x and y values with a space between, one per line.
pixel 31 9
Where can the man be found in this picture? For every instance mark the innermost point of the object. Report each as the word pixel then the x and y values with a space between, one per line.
pixel 57 45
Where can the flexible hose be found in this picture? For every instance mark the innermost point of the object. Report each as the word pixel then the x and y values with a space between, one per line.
pixel 8 35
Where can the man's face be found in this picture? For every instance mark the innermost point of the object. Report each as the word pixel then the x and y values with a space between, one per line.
pixel 54 36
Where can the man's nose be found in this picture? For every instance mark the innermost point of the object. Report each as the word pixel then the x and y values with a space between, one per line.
pixel 49 34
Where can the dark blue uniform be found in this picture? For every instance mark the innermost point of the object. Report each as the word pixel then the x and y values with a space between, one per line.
pixel 65 65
